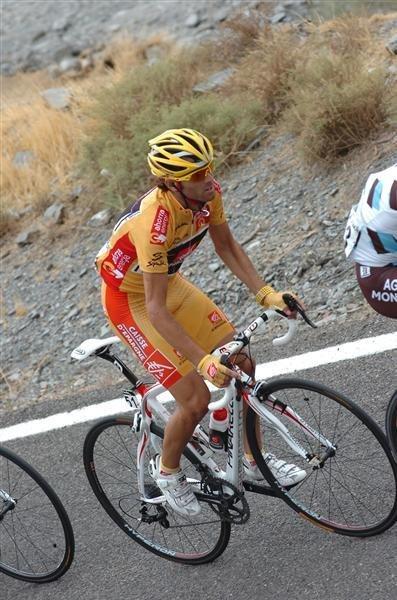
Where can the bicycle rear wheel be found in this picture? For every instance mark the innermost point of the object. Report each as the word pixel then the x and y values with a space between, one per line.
pixel 391 424
pixel 36 537
pixel 351 490
pixel 110 461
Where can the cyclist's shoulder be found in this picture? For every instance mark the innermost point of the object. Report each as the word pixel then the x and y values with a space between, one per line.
pixel 145 208
pixel 380 191
pixel 384 176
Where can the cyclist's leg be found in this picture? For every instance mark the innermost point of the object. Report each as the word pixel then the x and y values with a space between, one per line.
pixel 207 325
pixel 192 397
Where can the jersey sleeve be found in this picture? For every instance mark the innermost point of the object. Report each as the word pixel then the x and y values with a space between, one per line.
pixel 217 211
pixel 152 235
pixel 379 202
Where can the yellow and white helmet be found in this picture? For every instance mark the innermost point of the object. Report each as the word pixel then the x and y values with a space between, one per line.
pixel 179 153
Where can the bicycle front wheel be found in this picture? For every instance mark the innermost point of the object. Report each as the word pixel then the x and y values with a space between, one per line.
pixel 110 461
pixel 350 487
pixel 391 424
pixel 36 537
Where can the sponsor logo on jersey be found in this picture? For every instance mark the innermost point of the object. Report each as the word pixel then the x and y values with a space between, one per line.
pixel 136 340
pixel 157 260
pixel 159 366
pixel 112 270
pixel 389 293
pixel 118 261
pixel 201 218
pixel 365 272
pixel 390 284
pixel 384 296
pixel 160 226
pixel 215 317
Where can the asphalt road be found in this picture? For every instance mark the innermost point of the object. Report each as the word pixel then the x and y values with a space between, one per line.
pixel 276 555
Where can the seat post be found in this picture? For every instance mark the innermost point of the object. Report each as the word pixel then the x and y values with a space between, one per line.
pixel 106 354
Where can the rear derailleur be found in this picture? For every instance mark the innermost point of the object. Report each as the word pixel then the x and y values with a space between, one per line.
pixel 158 517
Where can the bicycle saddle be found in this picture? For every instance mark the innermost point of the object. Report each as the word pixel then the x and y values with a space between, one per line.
pixel 91 345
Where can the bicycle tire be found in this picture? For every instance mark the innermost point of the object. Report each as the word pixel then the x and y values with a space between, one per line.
pixel 391 424
pixel 23 534
pixel 118 494
pixel 368 484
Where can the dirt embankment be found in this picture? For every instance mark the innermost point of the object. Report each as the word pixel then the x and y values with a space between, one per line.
pixel 290 219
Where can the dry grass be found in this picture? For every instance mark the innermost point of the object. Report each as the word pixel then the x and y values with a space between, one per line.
pixel 263 73
pixel 323 80
pixel 52 136
pixel 55 137
pixel 341 92
pixel 343 118
pixel 240 33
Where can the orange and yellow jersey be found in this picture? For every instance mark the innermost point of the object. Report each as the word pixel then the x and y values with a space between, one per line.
pixel 154 235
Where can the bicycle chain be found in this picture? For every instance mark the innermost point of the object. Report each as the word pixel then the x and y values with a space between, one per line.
pixel 226 504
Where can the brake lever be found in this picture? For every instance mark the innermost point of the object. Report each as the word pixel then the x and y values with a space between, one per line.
pixel 293 304
pixel 224 359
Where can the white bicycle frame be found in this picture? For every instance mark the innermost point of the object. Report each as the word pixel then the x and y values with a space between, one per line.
pixel 199 445
pixel 150 405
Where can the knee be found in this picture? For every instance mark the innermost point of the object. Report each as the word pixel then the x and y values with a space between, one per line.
pixel 198 405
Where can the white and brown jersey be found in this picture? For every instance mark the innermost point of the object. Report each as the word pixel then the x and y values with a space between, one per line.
pixel 377 213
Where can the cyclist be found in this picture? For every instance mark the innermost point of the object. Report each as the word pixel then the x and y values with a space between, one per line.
pixel 371 241
pixel 170 324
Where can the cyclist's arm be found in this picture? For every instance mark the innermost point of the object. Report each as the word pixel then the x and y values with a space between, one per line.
pixel 156 285
pixel 234 257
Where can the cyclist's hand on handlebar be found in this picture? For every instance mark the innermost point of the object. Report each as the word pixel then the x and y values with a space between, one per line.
pixel 269 298
pixel 215 372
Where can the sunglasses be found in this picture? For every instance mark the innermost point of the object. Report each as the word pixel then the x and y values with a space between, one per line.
pixel 202 174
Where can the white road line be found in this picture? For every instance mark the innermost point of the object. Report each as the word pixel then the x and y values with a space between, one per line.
pixel 309 360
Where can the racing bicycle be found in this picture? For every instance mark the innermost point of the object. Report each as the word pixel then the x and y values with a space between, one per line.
pixel 350 486
pixel 36 537
pixel 391 424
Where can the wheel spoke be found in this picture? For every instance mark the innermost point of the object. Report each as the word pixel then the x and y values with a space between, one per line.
pixel 112 448
pixel 354 490
pixel 36 537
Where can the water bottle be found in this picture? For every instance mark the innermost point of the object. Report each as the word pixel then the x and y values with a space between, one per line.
pixel 219 421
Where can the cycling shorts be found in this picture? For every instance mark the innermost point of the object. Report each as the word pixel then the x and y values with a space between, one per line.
pixel 379 287
pixel 202 320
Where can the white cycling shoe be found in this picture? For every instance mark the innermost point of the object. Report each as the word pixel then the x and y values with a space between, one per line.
pixel 177 491
pixel 286 474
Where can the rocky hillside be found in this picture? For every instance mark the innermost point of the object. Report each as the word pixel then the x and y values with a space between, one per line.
pixel 290 222
pixel 288 218
pixel 39 33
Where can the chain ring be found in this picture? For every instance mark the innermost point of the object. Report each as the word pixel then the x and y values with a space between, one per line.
pixel 228 509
